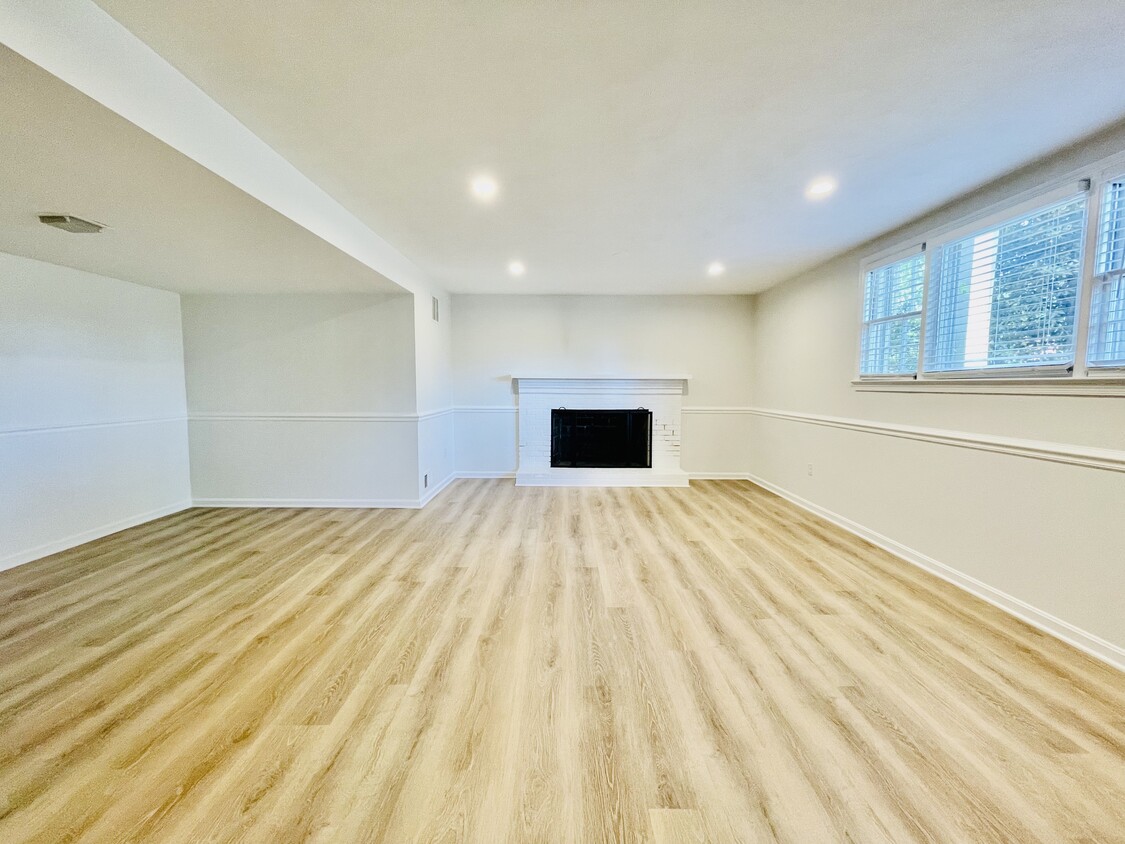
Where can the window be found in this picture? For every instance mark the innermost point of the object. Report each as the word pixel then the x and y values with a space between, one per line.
pixel 1005 297
pixel 1031 290
pixel 892 317
pixel 1107 298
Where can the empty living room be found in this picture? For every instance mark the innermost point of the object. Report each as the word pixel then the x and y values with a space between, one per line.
pixel 536 422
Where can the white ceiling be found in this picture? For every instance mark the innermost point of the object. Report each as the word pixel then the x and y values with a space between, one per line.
pixel 635 142
pixel 173 224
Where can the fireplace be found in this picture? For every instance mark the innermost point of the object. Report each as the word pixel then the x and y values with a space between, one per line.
pixel 600 430
pixel 601 439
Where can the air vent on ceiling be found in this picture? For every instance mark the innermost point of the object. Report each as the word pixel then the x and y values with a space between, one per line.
pixel 68 223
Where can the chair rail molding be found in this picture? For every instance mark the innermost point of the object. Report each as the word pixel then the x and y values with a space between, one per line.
pixel 266 416
pixel 1076 455
pixel 80 426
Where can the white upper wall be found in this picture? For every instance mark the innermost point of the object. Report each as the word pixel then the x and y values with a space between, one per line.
pixel 705 337
pixel 83 349
pixel 433 346
pixel 316 353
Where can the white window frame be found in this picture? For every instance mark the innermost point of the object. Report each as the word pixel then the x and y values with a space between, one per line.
pixel 876 262
pixel 1111 172
pixel 1033 380
pixel 984 224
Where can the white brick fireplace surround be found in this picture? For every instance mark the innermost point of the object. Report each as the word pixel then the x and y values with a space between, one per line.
pixel 538 396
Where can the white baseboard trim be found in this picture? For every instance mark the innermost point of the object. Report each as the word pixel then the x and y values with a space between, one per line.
pixel 428 494
pixel 30 554
pixel 1087 642
pixel 717 476
pixel 348 503
pixel 315 503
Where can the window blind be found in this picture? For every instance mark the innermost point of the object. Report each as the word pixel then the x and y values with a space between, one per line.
pixel 1005 297
pixel 1107 299
pixel 892 317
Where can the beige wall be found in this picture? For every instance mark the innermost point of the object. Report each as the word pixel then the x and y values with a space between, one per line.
pixel 1048 534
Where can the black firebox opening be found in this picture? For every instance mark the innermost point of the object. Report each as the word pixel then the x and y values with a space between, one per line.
pixel 601 439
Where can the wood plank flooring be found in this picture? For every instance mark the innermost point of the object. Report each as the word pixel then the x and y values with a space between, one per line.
pixel 537 665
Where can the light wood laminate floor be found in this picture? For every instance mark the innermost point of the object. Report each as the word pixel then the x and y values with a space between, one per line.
pixel 526 665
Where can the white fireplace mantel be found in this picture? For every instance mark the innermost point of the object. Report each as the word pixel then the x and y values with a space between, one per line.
pixel 661 385
pixel 663 395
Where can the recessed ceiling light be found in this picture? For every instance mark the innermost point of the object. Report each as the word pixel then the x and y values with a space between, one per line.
pixel 715 269
pixel 484 188
pixel 821 187
pixel 516 268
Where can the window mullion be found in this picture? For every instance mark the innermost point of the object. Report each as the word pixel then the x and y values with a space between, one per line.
pixel 1084 295
pixel 927 265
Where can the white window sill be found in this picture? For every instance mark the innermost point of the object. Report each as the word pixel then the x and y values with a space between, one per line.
pixel 1099 385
